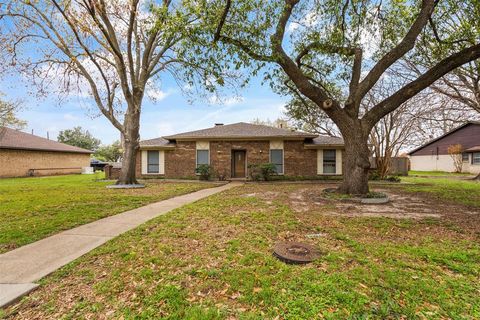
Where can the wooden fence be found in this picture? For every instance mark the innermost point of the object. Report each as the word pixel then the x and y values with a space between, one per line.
pixel 400 166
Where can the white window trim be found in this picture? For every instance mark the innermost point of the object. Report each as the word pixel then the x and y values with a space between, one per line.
pixel 473 159
pixel 330 174
pixel 283 160
pixel 202 146
pixel 277 145
pixel 320 162
pixel 161 163
pixel 338 162
pixel 196 156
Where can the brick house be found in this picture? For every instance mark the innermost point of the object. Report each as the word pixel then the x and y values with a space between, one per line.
pixel 434 155
pixel 24 154
pixel 230 149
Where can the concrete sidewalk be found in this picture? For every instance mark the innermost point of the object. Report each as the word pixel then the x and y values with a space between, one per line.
pixel 20 268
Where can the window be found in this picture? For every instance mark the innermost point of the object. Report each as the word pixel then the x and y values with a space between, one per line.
pixel 329 161
pixel 476 158
pixel 465 157
pixel 153 161
pixel 276 157
pixel 202 157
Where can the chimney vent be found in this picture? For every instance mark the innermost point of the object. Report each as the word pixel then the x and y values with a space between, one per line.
pixel 218 124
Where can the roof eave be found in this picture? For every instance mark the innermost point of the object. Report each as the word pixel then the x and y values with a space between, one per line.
pixel 157 147
pixel 46 150
pixel 190 138
pixel 322 146
pixel 443 136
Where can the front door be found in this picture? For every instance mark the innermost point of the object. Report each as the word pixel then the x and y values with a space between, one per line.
pixel 238 164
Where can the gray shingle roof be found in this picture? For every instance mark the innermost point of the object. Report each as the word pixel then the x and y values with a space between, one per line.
pixel 241 130
pixel 14 139
pixel 157 142
pixel 327 140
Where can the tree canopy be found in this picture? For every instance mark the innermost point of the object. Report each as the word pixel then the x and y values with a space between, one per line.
pixel 109 153
pixel 79 138
pixel 8 114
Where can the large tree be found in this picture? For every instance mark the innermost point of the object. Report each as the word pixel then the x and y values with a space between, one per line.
pixel 109 153
pixel 414 123
pixel 111 51
pixel 79 138
pixel 333 53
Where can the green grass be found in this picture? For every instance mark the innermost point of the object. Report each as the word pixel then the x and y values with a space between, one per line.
pixel 435 173
pixel 454 190
pixel 33 208
pixel 212 260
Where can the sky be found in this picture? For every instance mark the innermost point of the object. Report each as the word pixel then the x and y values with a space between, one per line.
pixel 170 113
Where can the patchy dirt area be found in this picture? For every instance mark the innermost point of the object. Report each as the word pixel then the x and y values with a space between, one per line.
pixel 306 199
pixel 399 206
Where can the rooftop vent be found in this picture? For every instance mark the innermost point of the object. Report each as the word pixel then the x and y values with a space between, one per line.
pixel 218 124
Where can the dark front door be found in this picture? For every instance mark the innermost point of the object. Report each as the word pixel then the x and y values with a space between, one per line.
pixel 238 164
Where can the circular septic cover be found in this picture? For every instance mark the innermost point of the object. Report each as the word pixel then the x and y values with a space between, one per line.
pixel 295 252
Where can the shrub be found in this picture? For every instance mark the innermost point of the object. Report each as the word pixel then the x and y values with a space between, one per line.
pixel 263 171
pixel 254 172
pixel 205 171
pixel 393 178
pixel 374 175
pixel 267 170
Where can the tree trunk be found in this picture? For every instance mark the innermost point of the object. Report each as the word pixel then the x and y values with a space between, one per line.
pixel 384 164
pixel 477 177
pixel 131 144
pixel 356 163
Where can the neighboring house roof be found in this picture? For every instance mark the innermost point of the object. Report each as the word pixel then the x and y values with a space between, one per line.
pixel 241 130
pixel 14 139
pixel 473 149
pixel 157 142
pixel 444 135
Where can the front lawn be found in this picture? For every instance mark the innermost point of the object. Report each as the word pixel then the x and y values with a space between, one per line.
pixel 455 190
pixel 436 173
pixel 212 260
pixel 34 208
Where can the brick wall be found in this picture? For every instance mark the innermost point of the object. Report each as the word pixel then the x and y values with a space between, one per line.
pixel 299 161
pixel 221 154
pixel 17 163
pixel 112 173
pixel 180 162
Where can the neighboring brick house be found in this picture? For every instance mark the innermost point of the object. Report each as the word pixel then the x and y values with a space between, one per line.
pixel 24 154
pixel 434 154
pixel 230 149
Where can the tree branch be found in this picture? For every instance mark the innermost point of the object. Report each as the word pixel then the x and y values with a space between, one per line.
pixel 406 92
pixel 407 44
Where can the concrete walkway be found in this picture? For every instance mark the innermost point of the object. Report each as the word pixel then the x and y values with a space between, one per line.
pixel 20 268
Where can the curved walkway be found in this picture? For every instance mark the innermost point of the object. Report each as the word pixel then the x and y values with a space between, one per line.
pixel 20 268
